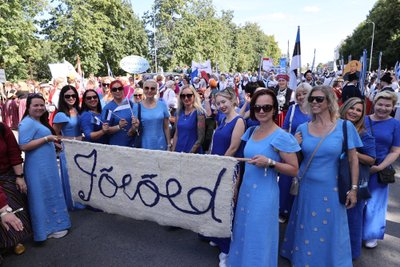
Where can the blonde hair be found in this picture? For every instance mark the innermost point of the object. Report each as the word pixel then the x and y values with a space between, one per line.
pixel 196 104
pixel 229 94
pixel 351 102
pixel 152 82
pixel 330 97
pixel 386 95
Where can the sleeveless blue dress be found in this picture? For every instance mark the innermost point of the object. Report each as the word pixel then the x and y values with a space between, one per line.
pixel 187 132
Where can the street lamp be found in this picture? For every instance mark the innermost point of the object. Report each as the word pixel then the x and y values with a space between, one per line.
pixel 372 43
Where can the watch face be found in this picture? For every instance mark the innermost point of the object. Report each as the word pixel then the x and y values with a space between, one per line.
pixel 8 209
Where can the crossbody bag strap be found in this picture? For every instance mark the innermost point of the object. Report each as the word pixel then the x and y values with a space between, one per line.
pixel 315 151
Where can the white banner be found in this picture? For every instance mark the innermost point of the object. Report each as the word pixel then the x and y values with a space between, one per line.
pixel 267 64
pixel 206 66
pixel 186 190
pixel 134 64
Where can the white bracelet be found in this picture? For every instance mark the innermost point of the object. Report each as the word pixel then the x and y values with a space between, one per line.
pixel 46 139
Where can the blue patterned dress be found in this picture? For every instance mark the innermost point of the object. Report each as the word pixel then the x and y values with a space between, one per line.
pixel 256 227
pixel 45 193
pixel 317 233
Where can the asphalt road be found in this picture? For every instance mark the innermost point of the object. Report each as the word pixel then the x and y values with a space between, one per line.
pixel 100 239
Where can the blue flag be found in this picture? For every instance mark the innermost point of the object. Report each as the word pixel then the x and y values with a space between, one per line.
pixel 194 74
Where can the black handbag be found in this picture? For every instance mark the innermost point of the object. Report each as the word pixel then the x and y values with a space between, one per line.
pixel 139 131
pixel 386 176
pixel 344 177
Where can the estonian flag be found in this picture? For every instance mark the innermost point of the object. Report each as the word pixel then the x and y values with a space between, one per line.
pixel 296 62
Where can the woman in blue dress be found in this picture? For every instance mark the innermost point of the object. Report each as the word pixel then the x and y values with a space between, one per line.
pixel 93 128
pixel 47 207
pixel 154 119
pixel 386 131
pixel 227 142
pixel 295 116
pixel 118 114
pixel 190 122
pixel 317 233
pixel 66 124
pixel 270 150
pixel 353 110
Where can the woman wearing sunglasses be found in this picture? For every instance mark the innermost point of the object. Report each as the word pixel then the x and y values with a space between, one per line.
pixel 93 128
pixel 118 114
pixel 269 150
pixel 66 124
pixel 154 119
pixel 353 110
pixel 138 96
pixel 38 140
pixel 104 91
pixel 317 233
pixel 190 122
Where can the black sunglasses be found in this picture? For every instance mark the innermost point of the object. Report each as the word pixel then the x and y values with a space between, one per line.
pixel 183 96
pixel 105 84
pixel 148 88
pixel 136 95
pixel 91 97
pixel 265 108
pixel 70 96
pixel 115 89
pixel 319 99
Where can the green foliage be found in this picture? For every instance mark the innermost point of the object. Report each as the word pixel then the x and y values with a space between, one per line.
pixel 385 15
pixel 36 33
pixel 192 30
pixel 18 43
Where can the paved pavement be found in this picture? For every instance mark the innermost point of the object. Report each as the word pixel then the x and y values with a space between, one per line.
pixel 100 239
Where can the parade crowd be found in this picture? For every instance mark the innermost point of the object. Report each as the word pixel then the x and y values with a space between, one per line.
pixel 290 142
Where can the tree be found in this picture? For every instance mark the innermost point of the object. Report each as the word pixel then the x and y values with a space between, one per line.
pixel 387 34
pixel 99 31
pixel 18 43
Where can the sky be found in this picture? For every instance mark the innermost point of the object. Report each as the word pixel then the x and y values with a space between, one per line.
pixel 323 24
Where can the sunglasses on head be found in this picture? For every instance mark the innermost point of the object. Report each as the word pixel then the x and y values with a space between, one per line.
pixel 265 108
pixel 183 96
pixel 319 99
pixel 93 97
pixel 115 89
pixel 148 88
pixel 70 96
pixel 105 84
pixel 136 95
pixel 33 95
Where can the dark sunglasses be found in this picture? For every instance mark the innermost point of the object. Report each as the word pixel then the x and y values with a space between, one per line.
pixel 148 88
pixel 136 95
pixel 319 99
pixel 183 96
pixel 70 96
pixel 265 108
pixel 105 84
pixel 91 97
pixel 115 89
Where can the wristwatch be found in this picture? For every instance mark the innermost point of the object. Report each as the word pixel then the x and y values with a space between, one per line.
pixel 272 165
pixel 7 211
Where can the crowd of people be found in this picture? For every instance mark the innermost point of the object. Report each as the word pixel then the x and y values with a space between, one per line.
pixel 283 136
